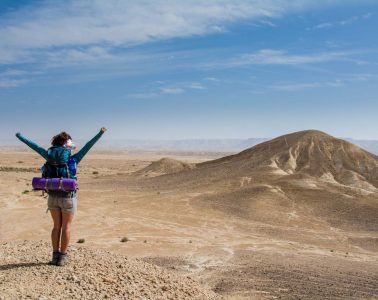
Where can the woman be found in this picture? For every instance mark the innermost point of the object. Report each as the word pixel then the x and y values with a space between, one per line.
pixel 62 205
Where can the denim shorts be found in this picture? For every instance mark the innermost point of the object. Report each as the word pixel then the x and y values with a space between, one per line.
pixel 64 202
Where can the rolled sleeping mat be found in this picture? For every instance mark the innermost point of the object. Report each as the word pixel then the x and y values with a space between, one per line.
pixel 54 184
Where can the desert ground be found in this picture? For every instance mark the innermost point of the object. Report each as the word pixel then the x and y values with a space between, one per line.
pixel 292 218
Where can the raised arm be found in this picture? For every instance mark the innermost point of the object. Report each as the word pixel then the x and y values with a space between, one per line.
pixel 32 145
pixel 83 151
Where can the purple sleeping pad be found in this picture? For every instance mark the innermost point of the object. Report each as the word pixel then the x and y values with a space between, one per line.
pixel 54 184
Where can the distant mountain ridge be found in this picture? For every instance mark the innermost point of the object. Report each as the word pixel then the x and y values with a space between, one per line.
pixel 192 145
pixel 369 145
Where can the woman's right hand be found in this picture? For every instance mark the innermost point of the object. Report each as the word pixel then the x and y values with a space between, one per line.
pixel 18 134
pixel 103 129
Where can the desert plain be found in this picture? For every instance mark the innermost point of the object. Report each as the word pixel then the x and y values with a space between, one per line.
pixel 291 218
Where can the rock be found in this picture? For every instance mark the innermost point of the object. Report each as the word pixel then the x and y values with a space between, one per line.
pixel 109 280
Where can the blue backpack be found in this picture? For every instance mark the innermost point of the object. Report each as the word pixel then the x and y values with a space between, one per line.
pixel 59 163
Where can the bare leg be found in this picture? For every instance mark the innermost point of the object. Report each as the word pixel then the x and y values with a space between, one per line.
pixel 66 230
pixel 55 233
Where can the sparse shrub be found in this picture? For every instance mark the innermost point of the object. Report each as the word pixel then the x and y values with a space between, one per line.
pixel 81 241
pixel 20 162
pixel 190 242
pixel 95 172
pixel 124 239
pixel 25 192
pixel 145 241
pixel 331 250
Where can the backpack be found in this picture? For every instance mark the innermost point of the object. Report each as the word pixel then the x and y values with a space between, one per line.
pixel 56 165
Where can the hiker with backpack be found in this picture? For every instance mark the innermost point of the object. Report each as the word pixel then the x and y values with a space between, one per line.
pixel 61 166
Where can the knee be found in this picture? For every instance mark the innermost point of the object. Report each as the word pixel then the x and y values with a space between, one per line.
pixel 66 229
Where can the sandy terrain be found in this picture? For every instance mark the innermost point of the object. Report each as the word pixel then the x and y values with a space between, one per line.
pixel 94 274
pixel 295 218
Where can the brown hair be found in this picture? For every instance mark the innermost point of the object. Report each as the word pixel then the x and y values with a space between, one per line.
pixel 60 139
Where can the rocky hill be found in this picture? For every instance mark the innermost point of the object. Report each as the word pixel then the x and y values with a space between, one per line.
pixel 293 180
pixel 310 152
pixel 306 154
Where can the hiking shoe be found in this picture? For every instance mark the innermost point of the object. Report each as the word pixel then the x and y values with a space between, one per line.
pixel 63 259
pixel 55 258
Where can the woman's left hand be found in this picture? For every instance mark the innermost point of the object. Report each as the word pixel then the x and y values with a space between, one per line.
pixel 103 129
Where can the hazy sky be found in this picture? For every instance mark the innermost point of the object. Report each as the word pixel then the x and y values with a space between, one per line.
pixel 188 69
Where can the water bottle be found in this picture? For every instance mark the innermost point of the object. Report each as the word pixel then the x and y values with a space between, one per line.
pixel 72 166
